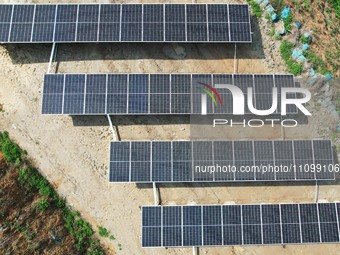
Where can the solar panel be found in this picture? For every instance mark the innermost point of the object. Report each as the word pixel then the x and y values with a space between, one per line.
pixel 141 94
pixel 216 161
pixel 229 225
pixel 46 23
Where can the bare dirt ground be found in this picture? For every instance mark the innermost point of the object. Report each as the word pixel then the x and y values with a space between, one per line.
pixel 73 152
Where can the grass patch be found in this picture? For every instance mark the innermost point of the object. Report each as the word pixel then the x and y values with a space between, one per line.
pixel 288 22
pixel 278 5
pixel 272 32
pixel 336 6
pixel 256 8
pixel 12 152
pixel 286 52
pixel 105 233
pixel 304 39
pixel 32 181
pixel 317 63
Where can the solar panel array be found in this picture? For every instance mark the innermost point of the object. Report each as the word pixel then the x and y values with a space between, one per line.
pixel 138 94
pixel 229 225
pixel 187 161
pixel 46 23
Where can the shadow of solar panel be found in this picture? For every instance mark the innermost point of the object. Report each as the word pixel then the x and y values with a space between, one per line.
pixel 153 32
pixel 110 13
pixel 53 83
pixel 252 234
pixel 73 104
pixel 131 32
pixel 153 13
pixel 95 104
pixel 196 13
pixel 44 13
pixel 271 234
pixel 197 32
pixel 65 32
pixel 232 234
pixel 218 13
pixel 218 32
pixel 132 13
pixel 159 83
pixel 43 32
pixel 52 104
pixel 175 13
pixel 5 13
pixel 159 103
pixel 239 13
pixel 240 32
pixel 119 171
pixel 23 13
pixel 87 32
pixel 117 84
pixel 21 32
pixel 180 83
pixel 88 13
pixel 109 32
pixel 175 32
pixel 4 32
pixel 138 103
pixel 151 236
pixel 67 13
pixel 116 104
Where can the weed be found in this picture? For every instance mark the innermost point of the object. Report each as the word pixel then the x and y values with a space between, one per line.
pixel 288 22
pixel 94 248
pixel 268 17
pixel 42 205
pixel 286 52
pixel 305 39
pixel 278 4
pixel 272 32
pixel 256 9
pixel 316 62
pixel 103 232
pixel 120 247
pixel 12 152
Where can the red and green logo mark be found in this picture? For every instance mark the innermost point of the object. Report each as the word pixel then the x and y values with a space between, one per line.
pixel 209 90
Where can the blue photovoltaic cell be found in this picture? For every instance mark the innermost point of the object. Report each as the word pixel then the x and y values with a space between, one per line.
pixel 131 13
pixel 21 32
pixel 175 32
pixel 52 103
pixel 131 32
pixel 197 32
pixel 5 13
pixel 153 32
pixel 67 13
pixel 74 83
pixel 110 13
pixel 109 32
pixel 218 32
pixel 240 32
pixel 4 31
pixel 138 83
pixel 88 13
pixel 65 32
pixel 116 104
pixel 43 32
pixel 196 13
pixel 87 32
pixel 54 83
pixel 238 13
pixel 218 13
pixel 175 13
pixel 44 13
pixel 153 13
pixel 23 13
pixel 182 226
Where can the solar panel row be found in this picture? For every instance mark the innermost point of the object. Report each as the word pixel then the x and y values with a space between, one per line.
pixel 209 161
pixel 228 225
pixel 124 23
pixel 122 94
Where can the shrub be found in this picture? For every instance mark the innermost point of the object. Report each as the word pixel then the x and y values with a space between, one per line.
pixel 272 32
pixel 12 152
pixel 256 9
pixel 32 179
pixel 42 205
pixel 103 232
pixel 305 39
pixel 316 62
pixel 288 22
pixel 286 52
pixel 94 248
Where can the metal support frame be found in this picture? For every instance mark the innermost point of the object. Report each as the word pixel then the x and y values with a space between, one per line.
pixel 235 60
pixel 111 128
pixel 51 57
pixel 155 193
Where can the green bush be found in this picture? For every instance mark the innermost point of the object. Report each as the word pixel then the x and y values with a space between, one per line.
pixel 103 232
pixel 272 32
pixel 288 22
pixel 12 152
pixel 278 4
pixel 32 179
pixel 256 9
pixel 286 52
pixel 42 205
pixel 336 6
pixel 317 63
pixel 94 248
pixel 305 39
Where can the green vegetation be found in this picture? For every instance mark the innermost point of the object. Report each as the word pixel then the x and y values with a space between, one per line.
pixel 286 52
pixel 105 233
pixel 256 9
pixel 305 39
pixel 278 5
pixel 272 32
pixel 288 22
pixel 42 205
pixel 31 180
pixel 317 63
pixel 268 17
pixel 12 152
pixel 336 6
pixel 330 58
